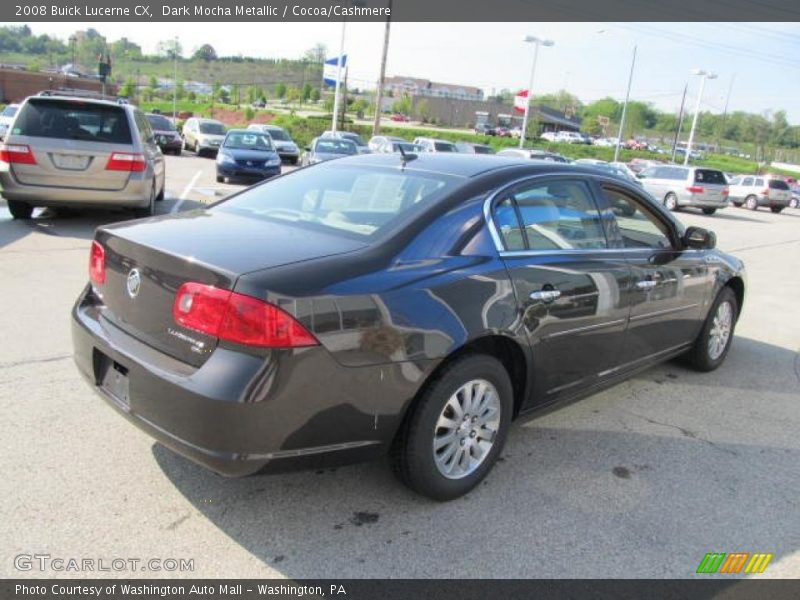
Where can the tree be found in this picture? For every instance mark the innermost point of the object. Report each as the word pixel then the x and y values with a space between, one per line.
pixel 128 89
pixel 280 90
pixel 402 105
pixel 205 52
pixel 315 95
pixel 292 94
pixel 305 92
pixel 607 107
pixel 561 100
pixel 316 54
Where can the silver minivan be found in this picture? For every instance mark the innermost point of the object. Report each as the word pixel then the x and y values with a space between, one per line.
pixel 754 191
pixel 677 187
pixel 77 151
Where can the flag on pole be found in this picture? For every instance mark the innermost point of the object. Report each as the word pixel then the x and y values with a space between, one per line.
pixel 330 67
pixel 520 100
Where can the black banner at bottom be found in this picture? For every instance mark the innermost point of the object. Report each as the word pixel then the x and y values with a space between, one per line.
pixel 390 589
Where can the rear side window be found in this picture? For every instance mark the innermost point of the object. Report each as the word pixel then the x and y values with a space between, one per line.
pixel 709 176
pixel 444 147
pixel 777 184
pixel 747 181
pixel 73 120
pixel 559 215
pixel 507 225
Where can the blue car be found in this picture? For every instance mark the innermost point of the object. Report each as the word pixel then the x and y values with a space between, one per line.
pixel 247 154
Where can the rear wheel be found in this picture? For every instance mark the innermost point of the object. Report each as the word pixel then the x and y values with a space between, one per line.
pixel 671 201
pixel 794 203
pixel 776 209
pixel 293 160
pixel 709 211
pixel 455 433
pixel 20 210
pixel 220 179
pixel 737 204
pixel 751 202
pixel 712 345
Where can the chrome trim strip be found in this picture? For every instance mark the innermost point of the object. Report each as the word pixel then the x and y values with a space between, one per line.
pixel 658 313
pixel 584 328
pixel 644 359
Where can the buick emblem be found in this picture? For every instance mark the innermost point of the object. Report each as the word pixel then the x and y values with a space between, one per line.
pixel 134 282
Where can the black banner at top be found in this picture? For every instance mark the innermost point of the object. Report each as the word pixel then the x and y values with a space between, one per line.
pixel 397 10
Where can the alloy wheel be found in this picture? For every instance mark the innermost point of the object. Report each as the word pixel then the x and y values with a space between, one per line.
pixel 671 202
pixel 720 330
pixel 466 429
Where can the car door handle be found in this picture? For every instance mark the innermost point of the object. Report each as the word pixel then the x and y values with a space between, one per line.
pixel 646 284
pixel 545 296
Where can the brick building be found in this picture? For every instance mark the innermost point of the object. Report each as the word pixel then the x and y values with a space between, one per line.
pixel 16 84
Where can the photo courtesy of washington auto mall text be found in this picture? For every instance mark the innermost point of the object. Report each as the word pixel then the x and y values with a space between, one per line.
pixel 400 299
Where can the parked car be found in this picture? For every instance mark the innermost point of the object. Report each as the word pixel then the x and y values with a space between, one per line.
pixel 515 132
pixel 6 117
pixel 626 169
pixel 470 148
pixel 606 142
pixel 753 191
pixel 424 310
pixel 571 137
pixel 549 136
pixel 378 141
pixel 391 146
pixel 677 187
pixel 633 144
pixel 247 154
pixel 795 201
pixel 284 144
pixel 532 154
pixel 400 118
pixel 502 131
pixel 82 152
pixel 484 129
pixel 322 149
pixel 259 104
pixel 167 136
pixel 434 145
pixel 637 165
pixel 361 145
pixel 202 136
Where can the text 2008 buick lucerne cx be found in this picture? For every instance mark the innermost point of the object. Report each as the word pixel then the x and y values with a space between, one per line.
pixel 381 303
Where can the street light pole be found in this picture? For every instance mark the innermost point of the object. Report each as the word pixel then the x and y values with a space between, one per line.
pixel 338 79
pixel 624 108
pixel 536 42
pixel 703 76
pixel 376 125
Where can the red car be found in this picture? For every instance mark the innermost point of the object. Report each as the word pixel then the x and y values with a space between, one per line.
pixel 400 117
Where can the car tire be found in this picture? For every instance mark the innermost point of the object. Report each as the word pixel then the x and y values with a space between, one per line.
pixel 737 204
pixel 714 341
pixel 709 211
pixel 150 209
pixel 751 202
pixel 671 202
pixel 220 179
pixel 19 210
pixel 160 196
pixel 293 161
pixel 776 209
pixel 447 472
pixel 794 203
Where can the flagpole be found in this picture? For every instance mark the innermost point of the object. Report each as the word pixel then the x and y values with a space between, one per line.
pixel 338 79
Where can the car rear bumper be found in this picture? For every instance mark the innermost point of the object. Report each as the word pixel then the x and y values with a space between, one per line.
pixel 288 155
pixel 702 202
pixel 135 193
pixel 240 414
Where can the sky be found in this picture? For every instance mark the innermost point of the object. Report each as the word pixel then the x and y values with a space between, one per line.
pixel 591 60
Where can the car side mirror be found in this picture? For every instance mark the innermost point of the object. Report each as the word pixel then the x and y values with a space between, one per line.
pixel 699 238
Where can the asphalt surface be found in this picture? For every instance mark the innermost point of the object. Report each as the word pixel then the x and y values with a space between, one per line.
pixel 639 481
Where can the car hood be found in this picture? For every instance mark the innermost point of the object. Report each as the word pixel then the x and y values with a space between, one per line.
pixel 231 243
pixel 241 154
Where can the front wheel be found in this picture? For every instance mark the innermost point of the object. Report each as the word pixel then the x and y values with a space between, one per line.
pixel 19 210
pixel 709 211
pixel 456 431
pixel 712 345
pixel 751 203
pixel 671 202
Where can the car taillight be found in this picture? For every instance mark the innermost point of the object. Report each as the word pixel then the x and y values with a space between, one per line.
pixel 695 189
pixel 237 318
pixel 125 161
pixel 97 263
pixel 19 154
pixel 725 191
pixel 765 192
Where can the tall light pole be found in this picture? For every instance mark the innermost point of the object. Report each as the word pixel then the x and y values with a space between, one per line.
pixel 175 81
pixel 625 108
pixel 531 39
pixel 338 79
pixel 376 125
pixel 703 76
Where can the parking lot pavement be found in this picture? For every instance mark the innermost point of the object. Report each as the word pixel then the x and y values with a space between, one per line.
pixel 638 481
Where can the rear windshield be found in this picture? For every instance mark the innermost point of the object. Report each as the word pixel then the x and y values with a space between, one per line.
pixel 358 202
pixel 248 140
pixel 73 120
pixel 212 128
pixel 777 184
pixel 444 147
pixel 335 146
pixel 710 176
pixel 160 123
pixel 482 149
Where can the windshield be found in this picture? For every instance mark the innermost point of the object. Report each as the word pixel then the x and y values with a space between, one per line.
pixel 334 146
pixel 9 111
pixel 355 138
pixel 406 146
pixel 248 140
pixel 73 120
pixel 278 134
pixel 444 147
pixel 212 128
pixel 709 176
pixel 357 201
pixel 160 123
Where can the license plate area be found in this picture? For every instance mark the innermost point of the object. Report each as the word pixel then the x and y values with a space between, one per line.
pixel 112 378
pixel 71 162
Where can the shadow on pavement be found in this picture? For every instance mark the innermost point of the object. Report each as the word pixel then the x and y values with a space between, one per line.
pixel 571 495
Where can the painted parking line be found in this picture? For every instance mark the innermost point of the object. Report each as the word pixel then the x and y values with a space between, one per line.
pixel 186 191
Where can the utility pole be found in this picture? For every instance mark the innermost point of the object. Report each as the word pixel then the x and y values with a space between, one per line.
pixel 625 108
pixel 704 75
pixel 175 81
pixel 725 113
pixel 338 79
pixel 376 125
pixel 680 123
pixel 344 94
